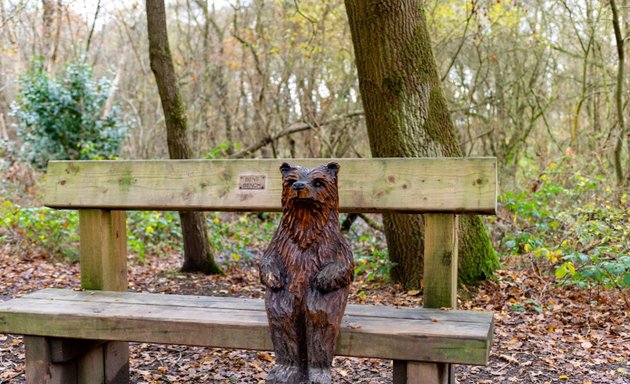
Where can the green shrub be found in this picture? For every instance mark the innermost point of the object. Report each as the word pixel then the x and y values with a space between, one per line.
pixel 234 238
pixel 64 119
pixel 151 232
pixel 576 226
pixel 53 231
pixel 370 252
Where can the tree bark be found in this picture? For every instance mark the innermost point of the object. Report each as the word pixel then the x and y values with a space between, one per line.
pixel 197 255
pixel 407 116
pixel 621 180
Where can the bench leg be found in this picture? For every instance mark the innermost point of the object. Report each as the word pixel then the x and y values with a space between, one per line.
pixel 107 363
pixel 116 362
pixel 40 368
pixel 411 372
pixel 59 361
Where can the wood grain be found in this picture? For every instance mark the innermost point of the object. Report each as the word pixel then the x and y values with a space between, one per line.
pixel 103 249
pixel 103 252
pixel 236 303
pixel 146 319
pixel 41 369
pixel 440 285
pixel 365 185
pixel 440 261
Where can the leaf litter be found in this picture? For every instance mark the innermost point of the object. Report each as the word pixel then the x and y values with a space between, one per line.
pixel 543 333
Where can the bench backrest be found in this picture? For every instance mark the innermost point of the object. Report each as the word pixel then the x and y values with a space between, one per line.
pixel 102 190
pixel 455 185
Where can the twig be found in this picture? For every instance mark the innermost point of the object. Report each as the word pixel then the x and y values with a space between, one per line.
pixel 591 246
pixel 289 131
pixel 15 13
pixel 473 10
pixel 478 136
pixel 372 223
pixel 89 39
pixel 350 219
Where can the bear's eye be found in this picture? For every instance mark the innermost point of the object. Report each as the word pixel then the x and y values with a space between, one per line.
pixel 290 182
pixel 318 183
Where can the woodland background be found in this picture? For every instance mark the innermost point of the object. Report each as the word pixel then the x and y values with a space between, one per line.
pixel 527 81
pixel 540 84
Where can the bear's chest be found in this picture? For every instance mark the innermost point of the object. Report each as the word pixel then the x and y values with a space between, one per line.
pixel 302 265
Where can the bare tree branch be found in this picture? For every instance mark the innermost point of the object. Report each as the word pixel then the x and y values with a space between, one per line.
pixel 289 131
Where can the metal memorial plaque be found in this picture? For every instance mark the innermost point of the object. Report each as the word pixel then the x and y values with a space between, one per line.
pixel 252 182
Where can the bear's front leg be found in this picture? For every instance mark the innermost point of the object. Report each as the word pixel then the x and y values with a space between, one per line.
pixel 270 272
pixel 323 320
pixel 334 276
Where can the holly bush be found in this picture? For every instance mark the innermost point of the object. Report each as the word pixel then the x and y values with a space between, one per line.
pixel 65 119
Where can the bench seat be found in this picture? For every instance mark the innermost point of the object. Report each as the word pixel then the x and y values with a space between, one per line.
pixel 427 335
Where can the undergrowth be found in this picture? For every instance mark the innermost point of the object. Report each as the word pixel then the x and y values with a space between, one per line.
pixel 573 226
pixel 234 238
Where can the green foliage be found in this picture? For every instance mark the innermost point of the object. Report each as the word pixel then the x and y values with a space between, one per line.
pixel 373 264
pixel 576 226
pixel 222 150
pixel 151 232
pixel 236 238
pixel 53 231
pixel 371 259
pixel 63 119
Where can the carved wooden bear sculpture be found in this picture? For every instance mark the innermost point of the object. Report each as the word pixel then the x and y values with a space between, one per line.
pixel 307 270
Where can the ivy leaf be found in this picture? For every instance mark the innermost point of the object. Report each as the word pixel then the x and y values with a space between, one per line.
pixel 561 271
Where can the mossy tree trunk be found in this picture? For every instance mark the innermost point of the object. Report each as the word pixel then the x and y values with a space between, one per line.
pixel 407 116
pixel 197 254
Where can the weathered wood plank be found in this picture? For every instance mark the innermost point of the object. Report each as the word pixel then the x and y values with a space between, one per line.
pixel 91 369
pixel 440 286
pixel 64 350
pixel 236 303
pixel 365 185
pixel 409 372
pixel 39 366
pixel 440 261
pixel 213 317
pixel 116 362
pixel 103 249
pixel 422 340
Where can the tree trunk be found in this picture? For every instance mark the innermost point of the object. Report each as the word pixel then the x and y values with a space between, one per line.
pixel 197 255
pixel 407 116
pixel 621 180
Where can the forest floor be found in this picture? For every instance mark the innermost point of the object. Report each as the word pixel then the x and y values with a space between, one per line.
pixel 544 333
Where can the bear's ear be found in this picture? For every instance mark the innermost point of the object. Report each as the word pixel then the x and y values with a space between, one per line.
pixel 285 168
pixel 333 168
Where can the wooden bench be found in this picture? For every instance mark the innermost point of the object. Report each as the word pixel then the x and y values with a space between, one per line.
pixel 81 336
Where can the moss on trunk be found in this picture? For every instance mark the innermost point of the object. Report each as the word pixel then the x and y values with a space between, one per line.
pixel 407 116
pixel 477 258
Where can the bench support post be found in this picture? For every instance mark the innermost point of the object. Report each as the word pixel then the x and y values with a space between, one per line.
pixel 103 250
pixel 407 372
pixel 104 267
pixel 440 291
pixel 40 367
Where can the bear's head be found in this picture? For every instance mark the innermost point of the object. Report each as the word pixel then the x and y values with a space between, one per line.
pixel 315 188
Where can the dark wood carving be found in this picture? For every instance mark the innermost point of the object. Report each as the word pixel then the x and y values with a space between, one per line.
pixel 307 270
